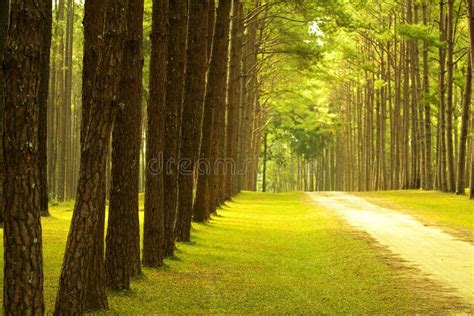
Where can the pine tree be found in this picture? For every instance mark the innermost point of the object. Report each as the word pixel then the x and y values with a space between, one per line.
pixel 195 86
pixel 24 53
pixel 122 257
pixel 173 110
pixel 214 104
pixel 153 235
pixel 105 30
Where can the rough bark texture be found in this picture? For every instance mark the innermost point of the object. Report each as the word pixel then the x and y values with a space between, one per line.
pixel 122 256
pixel 90 200
pixel 154 193
pixel 233 100
pixel 4 17
pixel 173 107
pixel 95 282
pixel 210 29
pixel 23 259
pixel 95 276
pixel 43 112
pixel 214 102
pixel 195 86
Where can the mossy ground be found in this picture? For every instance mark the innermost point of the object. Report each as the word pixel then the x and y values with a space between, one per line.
pixel 267 253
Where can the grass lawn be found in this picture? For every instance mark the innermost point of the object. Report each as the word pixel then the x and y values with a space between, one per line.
pixel 435 208
pixel 263 253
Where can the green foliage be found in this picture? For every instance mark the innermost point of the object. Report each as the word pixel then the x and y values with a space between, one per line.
pixel 421 32
pixel 307 92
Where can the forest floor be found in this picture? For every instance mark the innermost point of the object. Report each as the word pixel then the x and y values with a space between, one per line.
pixel 267 253
pixel 437 254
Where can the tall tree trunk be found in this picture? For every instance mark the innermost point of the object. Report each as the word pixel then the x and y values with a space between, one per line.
pixel 441 174
pixel 233 100
pixel 265 160
pixel 43 112
pixel 210 29
pixel 195 87
pixel 449 98
pixel 68 191
pixel 60 105
pixel 470 11
pixel 51 121
pixel 122 256
pixel 426 92
pixel 466 108
pixel 214 103
pixel 100 90
pixel 24 54
pixel 4 18
pixel 173 108
pixel 153 234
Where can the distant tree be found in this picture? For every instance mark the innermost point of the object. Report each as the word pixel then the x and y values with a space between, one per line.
pixel 466 109
pixel 105 30
pixel 426 102
pixel 23 71
pixel 450 29
pixel 122 256
pixel 154 230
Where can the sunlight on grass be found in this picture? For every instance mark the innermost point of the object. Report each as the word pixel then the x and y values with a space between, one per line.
pixel 433 207
pixel 263 253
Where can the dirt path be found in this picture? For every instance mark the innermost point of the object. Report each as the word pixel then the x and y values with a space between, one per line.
pixel 434 252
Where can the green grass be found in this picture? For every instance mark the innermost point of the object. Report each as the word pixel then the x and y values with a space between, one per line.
pixel 263 253
pixel 430 206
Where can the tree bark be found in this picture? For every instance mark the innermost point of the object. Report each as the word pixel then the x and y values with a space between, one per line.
pixel 426 92
pixel 470 11
pixel 173 108
pixel 68 69
pixel 265 159
pixel 122 256
pixel 23 56
pixel 233 102
pixel 4 18
pixel 153 234
pixel 441 174
pixel 43 112
pixel 211 22
pixel 214 102
pixel 466 108
pixel 449 98
pixel 86 229
pixel 195 86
